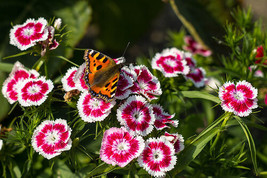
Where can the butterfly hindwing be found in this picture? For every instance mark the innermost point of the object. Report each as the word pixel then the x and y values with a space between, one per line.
pixel 101 75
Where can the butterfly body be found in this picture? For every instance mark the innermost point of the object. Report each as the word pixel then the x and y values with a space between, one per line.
pixel 101 74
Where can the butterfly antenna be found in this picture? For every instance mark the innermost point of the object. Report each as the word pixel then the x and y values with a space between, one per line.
pixel 125 49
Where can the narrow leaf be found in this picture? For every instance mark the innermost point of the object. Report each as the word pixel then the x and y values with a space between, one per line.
pixel 192 150
pixel 200 95
pixel 251 143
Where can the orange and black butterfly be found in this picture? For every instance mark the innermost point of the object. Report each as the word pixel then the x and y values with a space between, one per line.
pixel 101 74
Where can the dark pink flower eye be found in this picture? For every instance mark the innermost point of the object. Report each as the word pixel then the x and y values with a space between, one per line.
pixel 50 138
pixel 119 147
pixel 239 99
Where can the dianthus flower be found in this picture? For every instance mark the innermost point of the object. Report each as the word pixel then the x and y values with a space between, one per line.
pixel 119 147
pixel 93 109
pixel 11 84
pixel 158 157
pixel 50 138
pixel 124 85
pixel 170 62
pixel 176 139
pixel 239 99
pixel 194 47
pixel 136 115
pixel 26 35
pixel 260 55
pixel 197 76
pixel 68 79
pixel 33 92
pixel 145 83
pixel 163 118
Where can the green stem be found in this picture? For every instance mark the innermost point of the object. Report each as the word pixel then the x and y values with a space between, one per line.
pixel 187 24
pixel 65 59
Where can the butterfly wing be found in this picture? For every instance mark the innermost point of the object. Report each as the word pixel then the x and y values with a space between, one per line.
pixel 101 75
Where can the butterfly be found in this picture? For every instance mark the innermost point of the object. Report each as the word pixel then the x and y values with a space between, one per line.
pixel 102 74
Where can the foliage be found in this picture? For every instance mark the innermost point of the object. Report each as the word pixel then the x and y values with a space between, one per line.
pixel 217 143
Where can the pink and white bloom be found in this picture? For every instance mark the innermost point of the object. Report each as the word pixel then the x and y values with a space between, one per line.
pixel 136 115
pixel 145 83
pixel 124 85
pixel 176 139
pixel 93 109
pixel 239 99
pixel 197 76
pixel 33 92
pixel 11 84
pixel 26 35
pixel 50 138
pixel 194 47
pixel 50 43
pixel 170 62
pixel 158 157
pixel 79 78
pixel 119 147
pixel 68 79
pixel 163 118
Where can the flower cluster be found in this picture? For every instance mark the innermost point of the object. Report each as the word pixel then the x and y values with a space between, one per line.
pixel 26 87
pixel 35 31
pixel 50 138
pixel 239 99
pixel 136 88
pixel 172 62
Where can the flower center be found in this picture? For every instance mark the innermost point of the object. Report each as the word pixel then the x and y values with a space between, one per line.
pixel 52 137
pixel 238 95
pixel 28 32
pixel 34 89
pixel 121 146
pixel 157 155
pixel 95 103
pixel 170 62
pixel 142 85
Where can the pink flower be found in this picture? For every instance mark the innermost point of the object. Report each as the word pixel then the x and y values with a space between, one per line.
pixel 197 76
pixel 119 147
pixel 176 139
pixel 265 99
pixel 93 109
pixel 260 55
pixel 68 79
pixel 145 83
pixel 194 47
pixel 79 78
pixel 170 62
pixel 158 157
pixel 26 35
pixel 33 92
pixel 239 99
pixel 11 84
pixel 136 115
pixel 124 85
pixel 50 42
pixel 50 138
pixel 163 118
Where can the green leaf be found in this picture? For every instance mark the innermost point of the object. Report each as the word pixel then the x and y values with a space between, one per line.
pixel 200 95
pixel 101 169
pixel 251 143
pixel 60 169
pixel 192 150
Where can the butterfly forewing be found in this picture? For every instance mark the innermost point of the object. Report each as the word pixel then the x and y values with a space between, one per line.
pixel 101 75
